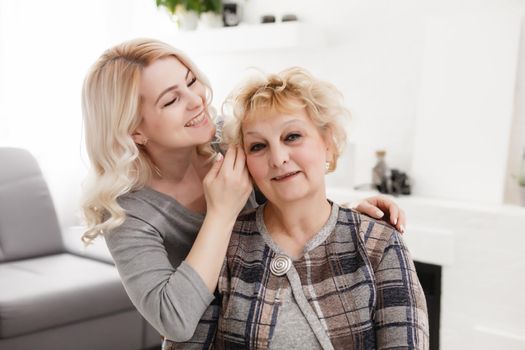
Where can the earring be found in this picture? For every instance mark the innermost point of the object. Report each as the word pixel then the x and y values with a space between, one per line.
pixel 144 141
pixel 329 166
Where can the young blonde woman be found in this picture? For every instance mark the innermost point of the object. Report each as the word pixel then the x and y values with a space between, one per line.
pixel 164 200
pixel 300 271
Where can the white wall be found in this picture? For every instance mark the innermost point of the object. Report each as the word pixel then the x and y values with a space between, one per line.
pixel 517 139
pixel 46 48
pixel 466 107
pixel 373 53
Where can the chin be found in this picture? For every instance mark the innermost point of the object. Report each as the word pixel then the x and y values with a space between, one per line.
pixel 288 197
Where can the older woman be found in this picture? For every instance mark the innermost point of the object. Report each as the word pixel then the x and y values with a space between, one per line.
pixel 300 271
pixel 162 197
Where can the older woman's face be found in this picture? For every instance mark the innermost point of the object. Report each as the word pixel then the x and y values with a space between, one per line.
pixel 286 155
pixel 173 107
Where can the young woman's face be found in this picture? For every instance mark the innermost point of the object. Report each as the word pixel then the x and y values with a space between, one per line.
pixel 286 155
pixel 173 107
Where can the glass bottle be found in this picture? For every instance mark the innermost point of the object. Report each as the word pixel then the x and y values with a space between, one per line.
pixel 380 172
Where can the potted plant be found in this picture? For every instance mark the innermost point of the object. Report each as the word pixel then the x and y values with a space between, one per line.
pixel 185 12
pixel 211 13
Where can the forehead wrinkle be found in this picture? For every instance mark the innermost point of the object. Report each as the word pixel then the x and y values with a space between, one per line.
pixel 282 124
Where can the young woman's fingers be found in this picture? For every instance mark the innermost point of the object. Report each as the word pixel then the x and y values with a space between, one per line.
pixel 229 158
pixel 369 209
pixel 401 221
pixel 393 211
pixel 240 159
pixel 215 168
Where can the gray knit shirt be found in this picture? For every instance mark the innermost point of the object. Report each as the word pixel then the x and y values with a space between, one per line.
pixel 149 249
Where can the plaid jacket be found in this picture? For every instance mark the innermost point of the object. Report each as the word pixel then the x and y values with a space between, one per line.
pixel 364 285
pixel 360 281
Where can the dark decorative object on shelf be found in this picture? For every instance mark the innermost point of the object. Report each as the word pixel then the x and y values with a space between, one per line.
pixel 230 15
pixel 268 19
pixel 399 182
pixel 289 18
pixel 390 181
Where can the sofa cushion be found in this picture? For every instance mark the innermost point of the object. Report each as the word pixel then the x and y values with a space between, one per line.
pixel 55 290
pixel 27 214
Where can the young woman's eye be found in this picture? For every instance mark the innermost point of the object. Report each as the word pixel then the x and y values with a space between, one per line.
pixel 256 147
pixel 292 137
pixel 192 81
pixel 170 102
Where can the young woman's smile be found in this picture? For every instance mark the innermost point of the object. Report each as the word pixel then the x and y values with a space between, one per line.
pixel 173 107
pixel 200 120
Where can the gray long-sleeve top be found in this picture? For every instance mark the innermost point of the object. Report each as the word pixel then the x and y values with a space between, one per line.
pixel 149 249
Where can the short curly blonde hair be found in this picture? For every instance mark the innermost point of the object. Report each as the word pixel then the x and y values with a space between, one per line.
pixel 288 91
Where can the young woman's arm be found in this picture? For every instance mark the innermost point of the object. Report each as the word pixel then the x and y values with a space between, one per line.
pixel 227 188
pixel 170 293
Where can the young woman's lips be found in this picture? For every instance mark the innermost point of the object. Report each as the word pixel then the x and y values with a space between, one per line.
pixel 197 121
pixel 285 177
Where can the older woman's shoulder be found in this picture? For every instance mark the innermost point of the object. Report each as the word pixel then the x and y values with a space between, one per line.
pixel 246 224
pixel 354 217
pixel 375 234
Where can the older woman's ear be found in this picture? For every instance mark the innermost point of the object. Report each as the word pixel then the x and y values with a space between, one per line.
pixel 331 160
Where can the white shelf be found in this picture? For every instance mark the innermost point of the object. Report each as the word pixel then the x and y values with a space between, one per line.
pixel 245 37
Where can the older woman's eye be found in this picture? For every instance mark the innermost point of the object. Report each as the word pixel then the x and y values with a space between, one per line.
pixel 256 147
pixel 292 137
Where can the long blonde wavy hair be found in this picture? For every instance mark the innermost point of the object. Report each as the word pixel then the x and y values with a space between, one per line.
pixel 287 91
pixel 111 111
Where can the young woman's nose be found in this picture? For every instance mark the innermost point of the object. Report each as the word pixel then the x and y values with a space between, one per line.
pixel 278 156
pixel 194 99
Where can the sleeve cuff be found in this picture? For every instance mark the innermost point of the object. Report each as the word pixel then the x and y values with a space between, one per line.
pixel 197 282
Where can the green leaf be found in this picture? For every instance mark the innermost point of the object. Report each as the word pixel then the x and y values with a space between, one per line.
pixel 198 6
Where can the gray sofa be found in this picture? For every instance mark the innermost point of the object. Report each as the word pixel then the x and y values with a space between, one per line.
pixel 52 297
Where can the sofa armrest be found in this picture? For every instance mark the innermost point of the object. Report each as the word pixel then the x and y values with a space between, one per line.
pixel 73 244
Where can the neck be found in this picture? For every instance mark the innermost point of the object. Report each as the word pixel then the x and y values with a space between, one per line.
pixel 178 166
pixel 181 175
pixel 299 220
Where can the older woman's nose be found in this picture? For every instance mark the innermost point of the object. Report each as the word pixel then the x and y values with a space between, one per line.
pixel 278 156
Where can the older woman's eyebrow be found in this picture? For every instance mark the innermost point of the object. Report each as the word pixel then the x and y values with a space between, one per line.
pixel 173 87
pixel 291 121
